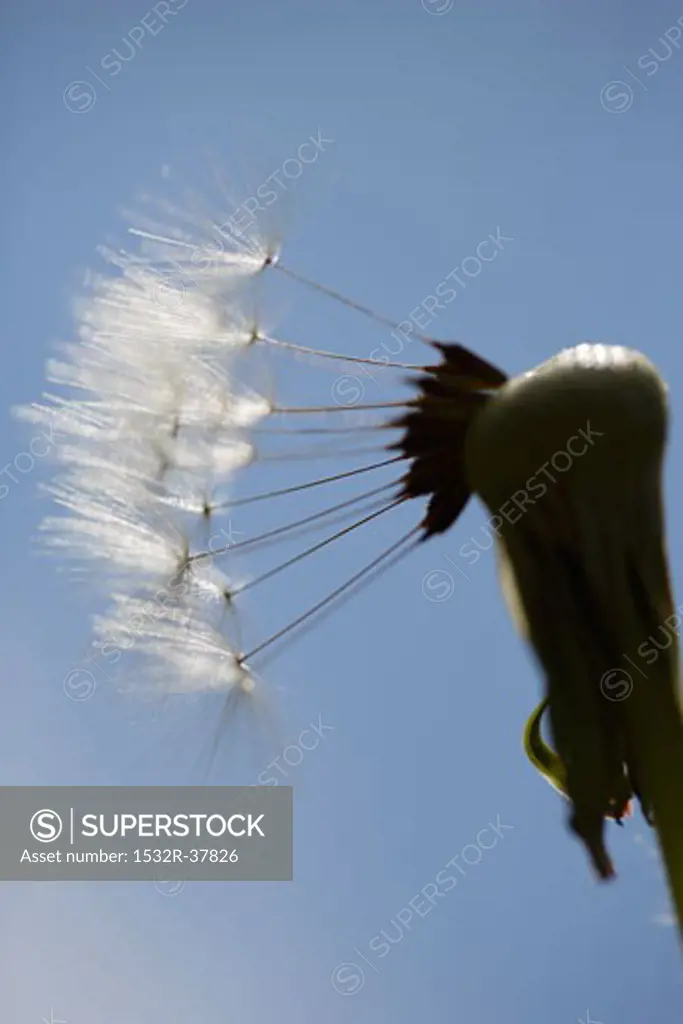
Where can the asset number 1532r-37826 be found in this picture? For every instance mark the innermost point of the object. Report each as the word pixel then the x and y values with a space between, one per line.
pixel 194 856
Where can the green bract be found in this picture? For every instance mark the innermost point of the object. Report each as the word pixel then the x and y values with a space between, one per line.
pixel 585 562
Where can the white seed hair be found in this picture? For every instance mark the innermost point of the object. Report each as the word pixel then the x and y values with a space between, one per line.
pixel 148 423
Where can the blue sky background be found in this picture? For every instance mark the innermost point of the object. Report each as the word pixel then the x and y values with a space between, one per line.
pixel 446 127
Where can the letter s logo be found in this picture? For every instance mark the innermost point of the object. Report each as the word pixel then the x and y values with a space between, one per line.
pixel 46 826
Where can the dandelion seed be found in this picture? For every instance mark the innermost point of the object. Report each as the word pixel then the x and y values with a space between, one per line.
pixel 182 654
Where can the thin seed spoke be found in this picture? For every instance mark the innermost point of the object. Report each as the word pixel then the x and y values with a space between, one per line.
pixel 344 588
pixel 280 530
pixel 331 293
pixel 305 350
pixel 315 547
pixel 322 430
pixel 320 453
pixel 308 485
pixel 333 520
pixel 342 408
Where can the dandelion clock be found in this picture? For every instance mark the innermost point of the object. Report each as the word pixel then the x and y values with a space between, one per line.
pixel 157 411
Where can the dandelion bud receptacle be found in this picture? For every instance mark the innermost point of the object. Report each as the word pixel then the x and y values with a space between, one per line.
pixel 576 448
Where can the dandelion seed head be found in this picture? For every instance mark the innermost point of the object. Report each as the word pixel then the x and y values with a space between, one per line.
pixel 149 421
pixel 208 248
pixel 125 543
pixel 181 653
